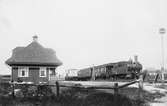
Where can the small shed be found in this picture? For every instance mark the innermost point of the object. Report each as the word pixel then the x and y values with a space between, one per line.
pixel 33 63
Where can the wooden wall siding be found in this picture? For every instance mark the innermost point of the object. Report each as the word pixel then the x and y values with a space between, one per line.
pixel 14 73
pixel 33 76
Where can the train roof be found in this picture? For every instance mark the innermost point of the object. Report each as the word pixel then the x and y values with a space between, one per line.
pixel 119 63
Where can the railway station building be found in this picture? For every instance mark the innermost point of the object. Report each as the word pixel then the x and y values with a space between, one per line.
pixel 33 63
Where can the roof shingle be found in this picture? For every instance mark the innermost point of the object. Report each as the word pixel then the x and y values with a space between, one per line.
pixel 33 54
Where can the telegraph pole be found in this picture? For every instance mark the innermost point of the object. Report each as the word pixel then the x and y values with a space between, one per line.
pixel 162 31
pixel 93 73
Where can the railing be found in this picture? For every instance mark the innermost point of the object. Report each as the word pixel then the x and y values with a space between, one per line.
pixel 54 78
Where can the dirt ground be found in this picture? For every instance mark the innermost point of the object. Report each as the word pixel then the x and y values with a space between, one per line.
pixel 162 102
pixel 159 101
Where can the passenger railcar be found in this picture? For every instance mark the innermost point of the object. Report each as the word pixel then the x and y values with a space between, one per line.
pixel 119 70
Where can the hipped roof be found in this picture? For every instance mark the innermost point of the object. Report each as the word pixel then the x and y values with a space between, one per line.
pixel 33 54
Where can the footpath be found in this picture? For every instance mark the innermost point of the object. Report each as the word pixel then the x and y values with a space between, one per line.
pixel 159 101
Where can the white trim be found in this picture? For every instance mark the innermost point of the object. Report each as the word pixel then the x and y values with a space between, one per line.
pixel 26 72
pixel 42 69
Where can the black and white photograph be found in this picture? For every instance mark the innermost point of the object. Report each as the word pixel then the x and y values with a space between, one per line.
pixel 83 52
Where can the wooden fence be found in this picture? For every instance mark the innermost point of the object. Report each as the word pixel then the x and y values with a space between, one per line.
pixel 116 86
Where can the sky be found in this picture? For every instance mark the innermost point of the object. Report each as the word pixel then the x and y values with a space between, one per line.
pixel 86 32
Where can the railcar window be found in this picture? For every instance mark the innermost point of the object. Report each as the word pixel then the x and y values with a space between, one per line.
pixel 102 69
pixel 110 67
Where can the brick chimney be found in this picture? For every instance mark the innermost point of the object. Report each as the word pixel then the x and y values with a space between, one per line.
pixel 35 38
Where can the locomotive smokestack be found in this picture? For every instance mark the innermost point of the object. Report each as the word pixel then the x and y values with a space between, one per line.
pixel 136 58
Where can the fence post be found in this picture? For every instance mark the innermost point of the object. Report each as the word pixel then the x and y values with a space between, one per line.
pixel 140 86
pixel 37 93
pixel 57 88
pixel 115 88
pixel 13 90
